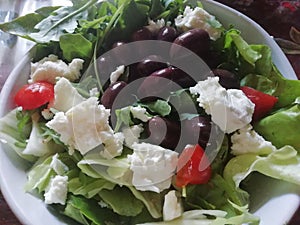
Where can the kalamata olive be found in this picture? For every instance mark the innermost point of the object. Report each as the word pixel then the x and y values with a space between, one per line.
pixel 163 132
pixel 110 94
pixel 196 40
pixel 142 34
pixel 196 129
pixel 150 65
pixel 167 33
pixel 227 79
pixel 154 85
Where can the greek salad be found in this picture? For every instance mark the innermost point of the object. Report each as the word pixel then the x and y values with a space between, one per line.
pixel 146 142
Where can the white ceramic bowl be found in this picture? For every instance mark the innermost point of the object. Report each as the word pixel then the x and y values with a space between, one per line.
pixel 275 202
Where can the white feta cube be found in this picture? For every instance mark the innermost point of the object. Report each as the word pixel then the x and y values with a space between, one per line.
pixel 57 190
pixel 230 109
pixel 152 167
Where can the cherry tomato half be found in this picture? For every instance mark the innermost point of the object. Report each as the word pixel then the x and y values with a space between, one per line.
pixel 32 96
pixel 263 102
pixel 189 169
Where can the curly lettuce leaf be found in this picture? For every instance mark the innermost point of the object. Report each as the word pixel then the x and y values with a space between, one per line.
pixel 282 127
pixel 15 128
pixel 282 164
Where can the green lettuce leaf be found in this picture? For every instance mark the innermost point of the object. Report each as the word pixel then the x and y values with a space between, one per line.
pixel 160 107
pixel 282 164
pixel 88 186
pixel 282 127
pixel 122 201
pixel 88 211
pixel 216 194
pixel 15 128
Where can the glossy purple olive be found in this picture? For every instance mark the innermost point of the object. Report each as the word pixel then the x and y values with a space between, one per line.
pixel 110 94
pixel 150 65
pixel 155 85
pixel 196 40
pixel 227 79
pixel 163 132
pixel 167 33
pixel 142 34
pixel 196 130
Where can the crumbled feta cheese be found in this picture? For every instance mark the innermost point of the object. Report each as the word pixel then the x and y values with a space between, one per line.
pixel 172 207
pixel 57 190
pixel 94 92
pixel 155 26
pixel 139 113
pixel 132 134
pixel 113 144
pixel 85 126
pixel 152 167
pixel 58 166
pixel 51 67
pixel 230 109
pixel 199 18
pixel 65 96
pixel 246 140
pixel 114 76
pixel 47 114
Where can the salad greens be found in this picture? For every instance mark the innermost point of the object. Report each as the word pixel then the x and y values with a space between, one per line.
pixel 99 189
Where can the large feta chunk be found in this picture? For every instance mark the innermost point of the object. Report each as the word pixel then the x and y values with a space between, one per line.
pixel 132 134
pixel 246 140
pixel 152 166
pixel 49 68
pixel 199 18
pixel 172 207
pixel 85 126
pixel 57 190
pixel 66 96
pixel 230 109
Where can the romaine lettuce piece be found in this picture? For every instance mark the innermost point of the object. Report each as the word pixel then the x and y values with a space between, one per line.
pixel 15 135
pixel 282 164
pixel 282 127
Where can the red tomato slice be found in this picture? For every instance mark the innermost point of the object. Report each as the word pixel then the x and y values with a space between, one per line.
pixel 263 102
pixel 189 165
pixel 32 96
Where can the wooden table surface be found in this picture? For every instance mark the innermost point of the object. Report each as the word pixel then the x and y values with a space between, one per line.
pixel 6 63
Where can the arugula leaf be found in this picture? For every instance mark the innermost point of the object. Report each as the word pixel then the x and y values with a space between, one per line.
pixel 75 46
